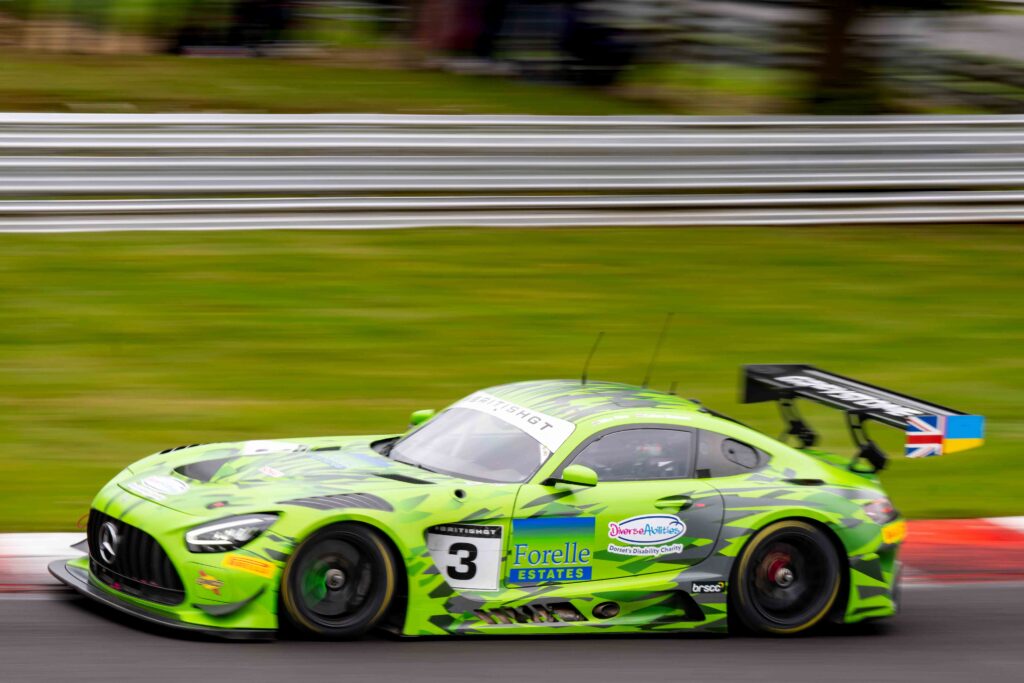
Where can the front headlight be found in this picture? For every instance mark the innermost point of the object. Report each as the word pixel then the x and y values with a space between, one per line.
pixel 228 533
pixel 881 511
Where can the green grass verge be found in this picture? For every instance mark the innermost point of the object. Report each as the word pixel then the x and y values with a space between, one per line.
pixel 35 82
pixel 723 79
pixel 115 346
pixel 719 89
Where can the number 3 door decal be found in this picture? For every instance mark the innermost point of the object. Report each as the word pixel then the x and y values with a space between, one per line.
pixel 465 570
pixel 468 555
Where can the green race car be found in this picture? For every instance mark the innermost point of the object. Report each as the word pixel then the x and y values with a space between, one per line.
pixel 530 508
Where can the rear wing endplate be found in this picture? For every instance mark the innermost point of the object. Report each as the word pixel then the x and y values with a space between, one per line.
pixel 931 429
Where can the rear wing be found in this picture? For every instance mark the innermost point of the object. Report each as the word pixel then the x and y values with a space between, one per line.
pixel 931 429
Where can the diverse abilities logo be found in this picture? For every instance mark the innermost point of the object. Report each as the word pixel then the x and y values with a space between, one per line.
pixel 551 550
pixel 646 535
pixel 647 529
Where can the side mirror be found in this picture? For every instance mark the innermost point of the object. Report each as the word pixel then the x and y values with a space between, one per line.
pixel 421 416
pixel 576 475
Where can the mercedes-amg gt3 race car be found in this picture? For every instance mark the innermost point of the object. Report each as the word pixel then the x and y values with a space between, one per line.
pixel 532 508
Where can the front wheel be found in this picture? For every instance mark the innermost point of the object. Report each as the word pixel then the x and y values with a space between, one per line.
pixel 339 582
pixel 786 580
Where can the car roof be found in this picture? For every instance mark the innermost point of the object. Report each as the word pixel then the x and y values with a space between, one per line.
pixel 570 400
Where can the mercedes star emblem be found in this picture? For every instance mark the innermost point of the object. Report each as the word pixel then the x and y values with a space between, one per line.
pixel 108 542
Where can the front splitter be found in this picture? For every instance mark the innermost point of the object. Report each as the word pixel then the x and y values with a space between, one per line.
pixel 78 579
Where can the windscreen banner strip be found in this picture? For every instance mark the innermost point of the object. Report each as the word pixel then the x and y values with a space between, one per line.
pixel 549 431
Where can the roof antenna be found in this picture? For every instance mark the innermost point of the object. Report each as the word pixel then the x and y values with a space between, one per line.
pixel 657 349
pixel 590 356
pixel 672 389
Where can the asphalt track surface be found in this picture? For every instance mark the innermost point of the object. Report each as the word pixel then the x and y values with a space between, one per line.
pixel 967 632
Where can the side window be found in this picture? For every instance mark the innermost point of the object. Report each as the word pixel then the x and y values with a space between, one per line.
pixel 720 456
pixel 639 454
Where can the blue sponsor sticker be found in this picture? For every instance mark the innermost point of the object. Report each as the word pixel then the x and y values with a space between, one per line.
pixel 551 550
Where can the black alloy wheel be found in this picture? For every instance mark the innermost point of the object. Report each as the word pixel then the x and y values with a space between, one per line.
pixel 787 580
pixel 339 582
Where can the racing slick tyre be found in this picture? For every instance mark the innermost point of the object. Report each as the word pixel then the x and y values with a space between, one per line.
pixel 338 583
pixel 787 579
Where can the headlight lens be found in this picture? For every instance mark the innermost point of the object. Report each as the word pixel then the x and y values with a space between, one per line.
pixel 228 533
pixel 881 511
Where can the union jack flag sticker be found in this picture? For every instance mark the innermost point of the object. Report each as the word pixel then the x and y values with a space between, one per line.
pixel 925 435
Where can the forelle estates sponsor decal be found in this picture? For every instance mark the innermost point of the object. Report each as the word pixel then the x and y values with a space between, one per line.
pixel 551 550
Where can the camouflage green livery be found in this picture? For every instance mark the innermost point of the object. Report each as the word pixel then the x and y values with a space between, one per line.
pixel 575 533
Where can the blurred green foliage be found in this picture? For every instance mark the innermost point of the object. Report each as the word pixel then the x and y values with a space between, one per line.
pixel 129 15
pixel 36 82
pixel 113 346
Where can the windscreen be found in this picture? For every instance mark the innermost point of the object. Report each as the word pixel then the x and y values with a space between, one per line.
pixel 474 445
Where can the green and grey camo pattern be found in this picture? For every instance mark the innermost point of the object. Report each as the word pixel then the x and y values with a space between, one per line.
pixel 315 482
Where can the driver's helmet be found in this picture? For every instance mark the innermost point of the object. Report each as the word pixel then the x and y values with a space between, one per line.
pixel 650 449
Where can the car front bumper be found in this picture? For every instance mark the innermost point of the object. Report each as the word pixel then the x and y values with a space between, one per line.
pixel 75 574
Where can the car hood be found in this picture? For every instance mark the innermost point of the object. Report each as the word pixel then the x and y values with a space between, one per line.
pixel 266 474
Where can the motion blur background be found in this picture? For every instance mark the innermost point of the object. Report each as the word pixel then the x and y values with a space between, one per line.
pixel 681 56
pixel 116 345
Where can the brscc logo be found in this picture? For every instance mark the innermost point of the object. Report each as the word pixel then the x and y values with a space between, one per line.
pixel 715 587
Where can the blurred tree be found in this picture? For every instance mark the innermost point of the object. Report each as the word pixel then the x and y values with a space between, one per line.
pixel 844 80
pixel 258 23
pixel 21 11
pixel 93 17
pixel 490 18
pixel 599 50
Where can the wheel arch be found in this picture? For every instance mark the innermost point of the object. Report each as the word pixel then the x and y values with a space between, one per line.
pixel 817 521
pixel 395 615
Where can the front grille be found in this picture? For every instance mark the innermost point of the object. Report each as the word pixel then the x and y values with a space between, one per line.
pixel 140 567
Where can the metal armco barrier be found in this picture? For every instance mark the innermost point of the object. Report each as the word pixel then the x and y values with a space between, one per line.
pixel 84 172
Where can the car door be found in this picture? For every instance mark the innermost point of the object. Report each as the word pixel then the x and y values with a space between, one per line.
pixel 646 514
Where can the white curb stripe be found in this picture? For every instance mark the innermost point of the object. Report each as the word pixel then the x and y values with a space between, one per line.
pixel 23 557
pixel 1015 523
pixel 39 545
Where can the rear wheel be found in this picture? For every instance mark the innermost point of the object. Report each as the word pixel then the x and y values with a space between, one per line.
pixel 787 579
pixel 339 582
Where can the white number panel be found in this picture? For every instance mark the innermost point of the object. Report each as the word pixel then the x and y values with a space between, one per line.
pixel 467 555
